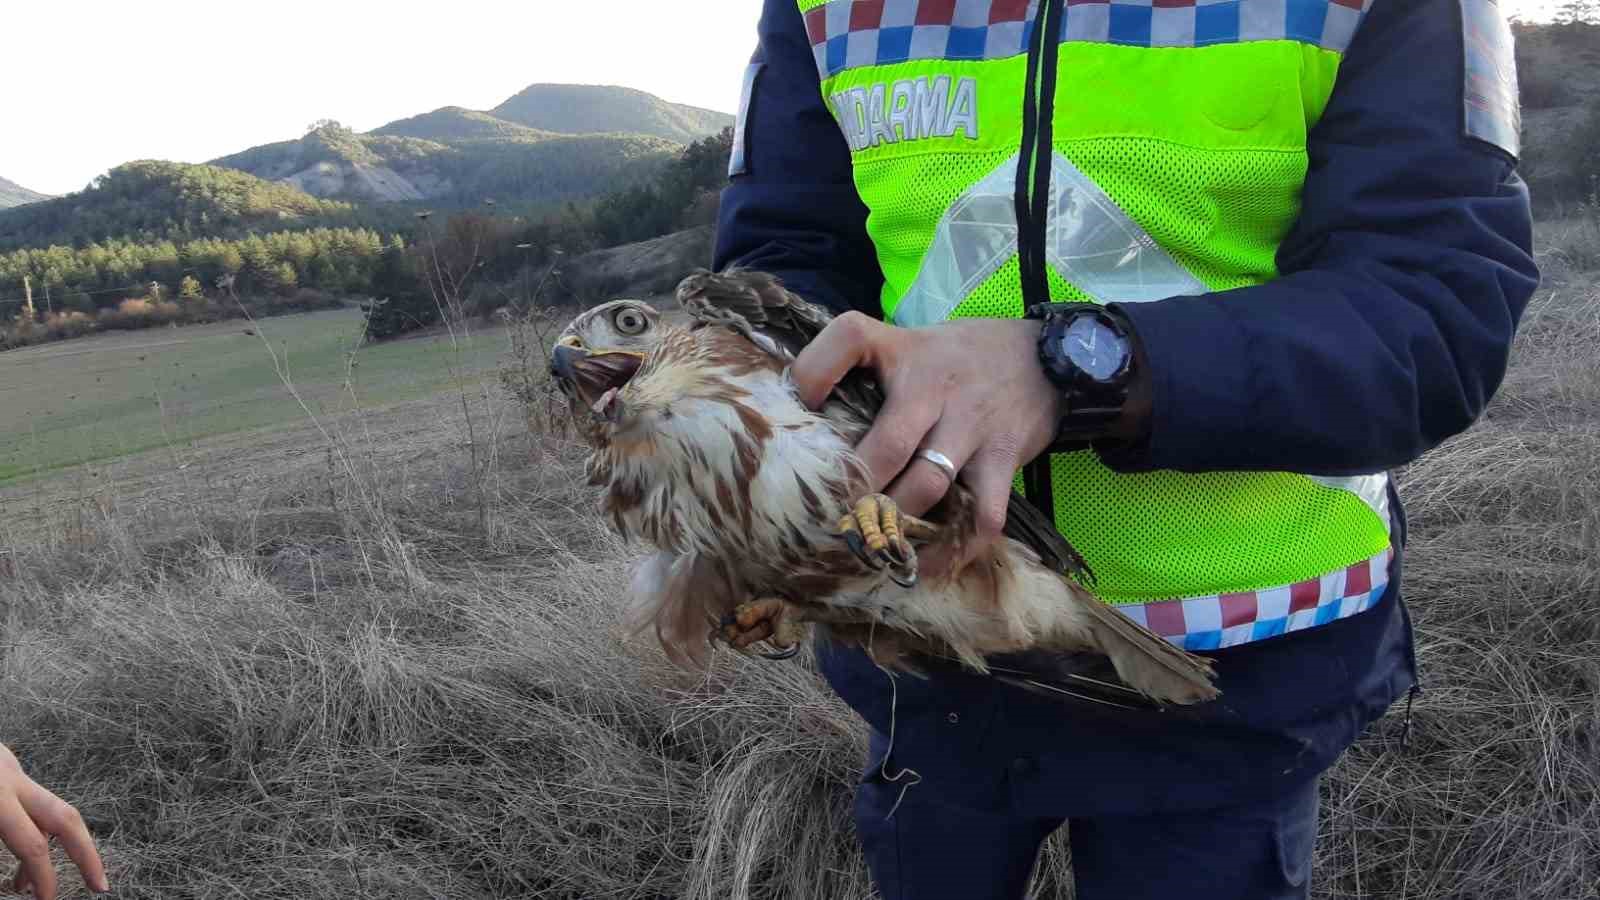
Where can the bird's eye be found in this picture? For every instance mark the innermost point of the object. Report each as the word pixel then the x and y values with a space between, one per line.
pixel 630 321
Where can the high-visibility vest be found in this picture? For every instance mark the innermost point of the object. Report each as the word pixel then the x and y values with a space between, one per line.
pixel 1178 156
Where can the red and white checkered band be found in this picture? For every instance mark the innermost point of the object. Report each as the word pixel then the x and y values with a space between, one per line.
pixel 1227 620
pixel 848 34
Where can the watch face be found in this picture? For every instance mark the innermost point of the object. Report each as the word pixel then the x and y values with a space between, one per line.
pixel 1092 346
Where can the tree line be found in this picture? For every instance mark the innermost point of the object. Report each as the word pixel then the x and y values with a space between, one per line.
pixel 87 279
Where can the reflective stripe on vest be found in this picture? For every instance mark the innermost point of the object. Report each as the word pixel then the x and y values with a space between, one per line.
pixel 1228 620
pixel 1089 240
pixel 1173 172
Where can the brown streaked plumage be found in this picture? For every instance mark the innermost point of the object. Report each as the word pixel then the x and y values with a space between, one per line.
pixel 758 509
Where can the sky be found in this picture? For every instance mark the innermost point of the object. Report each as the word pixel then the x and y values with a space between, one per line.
pixel 86 85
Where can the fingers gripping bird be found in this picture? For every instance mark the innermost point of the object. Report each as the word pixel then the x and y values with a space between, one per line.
pixel 762 521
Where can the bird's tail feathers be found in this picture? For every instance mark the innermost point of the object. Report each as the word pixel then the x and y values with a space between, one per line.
pixel 1149 663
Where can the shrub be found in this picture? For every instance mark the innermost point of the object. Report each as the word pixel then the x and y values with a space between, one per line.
pixel 139 312
pixel 70 324
pixel 302 300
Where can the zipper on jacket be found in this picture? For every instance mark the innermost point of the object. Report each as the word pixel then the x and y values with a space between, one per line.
pixel 1033 196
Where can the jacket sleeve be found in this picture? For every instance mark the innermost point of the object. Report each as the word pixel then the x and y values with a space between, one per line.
pixel 791 206
pixel 1401 287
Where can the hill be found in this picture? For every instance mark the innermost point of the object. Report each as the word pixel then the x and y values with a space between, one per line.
pixel 152 200
pixel 13 194
pixel 549 144
pixel 455 157
pixel 450 124
pixel 592 109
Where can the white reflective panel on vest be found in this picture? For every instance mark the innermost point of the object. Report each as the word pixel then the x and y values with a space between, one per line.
pixel 1372 489
pixel 1089 241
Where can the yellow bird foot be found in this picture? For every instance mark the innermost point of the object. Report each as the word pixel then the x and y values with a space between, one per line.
pixel 770 619
pixel 880 536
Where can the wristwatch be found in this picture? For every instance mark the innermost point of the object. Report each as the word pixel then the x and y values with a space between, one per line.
pixel 1087 352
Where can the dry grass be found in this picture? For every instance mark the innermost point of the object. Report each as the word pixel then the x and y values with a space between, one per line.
pixel 342 679
pixel 337 684
pixel 1499 795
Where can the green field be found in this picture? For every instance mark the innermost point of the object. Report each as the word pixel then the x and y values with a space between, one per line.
pixel 112 395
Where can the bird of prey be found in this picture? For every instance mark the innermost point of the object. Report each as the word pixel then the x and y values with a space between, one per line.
pixel 759 513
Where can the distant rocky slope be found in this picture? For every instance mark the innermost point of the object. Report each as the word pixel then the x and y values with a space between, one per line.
pixel 13 194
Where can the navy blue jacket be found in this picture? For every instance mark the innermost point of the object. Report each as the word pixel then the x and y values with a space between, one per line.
pixel 1389 330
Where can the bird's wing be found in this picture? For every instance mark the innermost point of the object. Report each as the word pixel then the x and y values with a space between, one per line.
pixel 758 306
pixel 748 298
pixel 1027 524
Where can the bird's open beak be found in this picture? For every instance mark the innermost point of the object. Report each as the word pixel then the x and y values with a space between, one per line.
pixel 565 358
pixel 590 375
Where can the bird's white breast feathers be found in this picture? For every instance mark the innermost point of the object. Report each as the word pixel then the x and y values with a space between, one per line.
pixel 742 470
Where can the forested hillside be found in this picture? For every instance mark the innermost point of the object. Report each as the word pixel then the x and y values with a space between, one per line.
pixel 457 157
pixel 592 108
pixel 454 159
pixel 455 123
pixel 549 144
pixel 13 194
pixel 149 200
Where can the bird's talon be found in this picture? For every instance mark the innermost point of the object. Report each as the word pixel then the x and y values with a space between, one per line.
pixel 897 553
pixel 769 619
pixel 781 655
pixel 907 579
pixel 879 535
pixel 858 547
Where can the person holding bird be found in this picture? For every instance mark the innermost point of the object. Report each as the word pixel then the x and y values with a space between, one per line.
pixel 1193 277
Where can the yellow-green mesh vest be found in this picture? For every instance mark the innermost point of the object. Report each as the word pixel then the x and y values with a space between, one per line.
pixel 1192 121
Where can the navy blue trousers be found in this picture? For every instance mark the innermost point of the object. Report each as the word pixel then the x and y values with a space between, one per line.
pixel 918 846
pixel 1214 802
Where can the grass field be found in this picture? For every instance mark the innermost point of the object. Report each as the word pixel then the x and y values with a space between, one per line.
pixel 108 396
pixel 378 657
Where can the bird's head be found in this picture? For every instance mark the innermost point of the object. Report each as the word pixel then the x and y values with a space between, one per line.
pixel 602 349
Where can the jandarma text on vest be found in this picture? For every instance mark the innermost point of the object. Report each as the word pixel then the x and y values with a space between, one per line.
pixel 908 110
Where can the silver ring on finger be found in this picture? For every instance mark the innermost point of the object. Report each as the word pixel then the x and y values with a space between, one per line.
pixel 940 461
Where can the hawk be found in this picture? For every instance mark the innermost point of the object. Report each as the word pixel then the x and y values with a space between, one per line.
pixel 760 515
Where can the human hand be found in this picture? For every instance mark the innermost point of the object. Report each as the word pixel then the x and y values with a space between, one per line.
pixel 29 817
pixel 972 390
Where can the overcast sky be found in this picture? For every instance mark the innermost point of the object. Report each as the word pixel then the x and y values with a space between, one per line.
pixel 85 86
